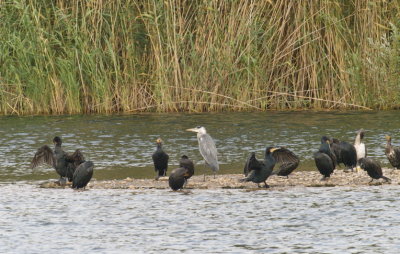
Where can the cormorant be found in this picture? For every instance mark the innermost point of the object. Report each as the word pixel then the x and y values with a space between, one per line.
pixel 325 163
pixel 185 162
pixel 345 153
pixel 335 148
pixel 326 149
pixel 177 178
pixel 160 159
pixel 64 163
pixel 288 161
pixel 361 150
pixel 82 175
pixel 207 148
pixel 258 172
pixel 373 169
pixel 392 153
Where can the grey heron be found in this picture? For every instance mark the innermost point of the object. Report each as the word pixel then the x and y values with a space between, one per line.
pixel 207 148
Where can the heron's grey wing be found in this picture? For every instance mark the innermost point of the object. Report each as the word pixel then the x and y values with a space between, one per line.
pixel 208 151
pixel 43 154
pixel 284 155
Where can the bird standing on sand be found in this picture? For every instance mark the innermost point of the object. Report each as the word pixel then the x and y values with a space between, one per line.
pixel 324 162
pixel 373 169
pixel 185 162
pixel 82 175
pixel 359 145
pixel 207 148
pixel 325 148
pixel 179 176
pixel 160 160
pixel 288 161
pixel 392 153
pixel 64 163
pixel 257 171
pixel 345 153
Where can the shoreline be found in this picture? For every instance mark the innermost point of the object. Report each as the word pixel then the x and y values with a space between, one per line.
pixel 231 181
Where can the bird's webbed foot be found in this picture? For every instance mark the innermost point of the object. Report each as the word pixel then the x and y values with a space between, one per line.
pixel 325 178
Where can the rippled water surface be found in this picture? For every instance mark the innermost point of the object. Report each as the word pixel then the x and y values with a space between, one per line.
pixel 121 146
pixel 298 220
pixel 295 220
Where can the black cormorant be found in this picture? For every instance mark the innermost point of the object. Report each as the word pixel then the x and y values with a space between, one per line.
pixel 326 149
pixel 82 175
pixel 258 172
pixel 345 153
pixel 392 153
pixel 64 163
pixel 373 169
pixel 185 162
pixel 177 178
pixel 160 159
pixel 324 162
pixel 288 161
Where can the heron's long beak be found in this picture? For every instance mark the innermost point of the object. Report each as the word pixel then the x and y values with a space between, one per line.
pixel 192 129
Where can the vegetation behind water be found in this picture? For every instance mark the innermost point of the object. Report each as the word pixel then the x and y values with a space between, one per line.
pixel 59 57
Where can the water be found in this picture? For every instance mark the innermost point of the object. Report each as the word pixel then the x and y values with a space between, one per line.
pixel 296 220
pixel 121 146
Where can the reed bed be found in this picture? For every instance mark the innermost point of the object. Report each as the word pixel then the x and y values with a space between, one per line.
pixel 97 56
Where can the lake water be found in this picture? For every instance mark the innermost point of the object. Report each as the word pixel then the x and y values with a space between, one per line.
pixel 122 146
pixel 297 220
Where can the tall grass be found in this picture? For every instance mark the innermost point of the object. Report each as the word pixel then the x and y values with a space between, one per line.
pixel 66 57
